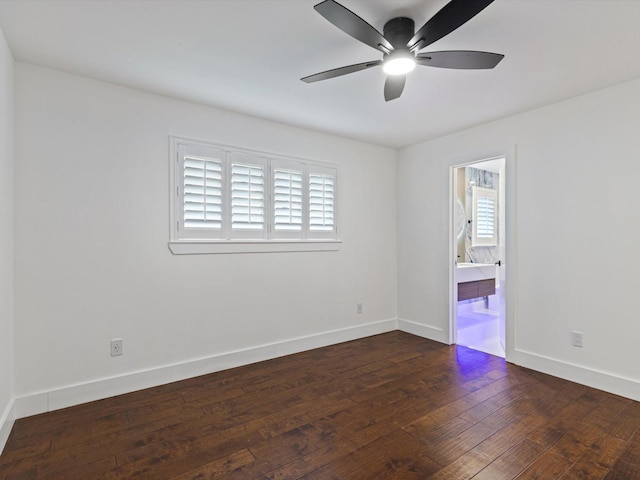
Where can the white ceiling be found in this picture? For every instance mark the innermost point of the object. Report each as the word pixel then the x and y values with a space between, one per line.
pixel 249 55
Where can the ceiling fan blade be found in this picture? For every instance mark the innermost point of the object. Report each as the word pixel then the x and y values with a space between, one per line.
pixel 336 72
pixel 461 59
pixel 350 23
pixel 393 86
pixel 451 16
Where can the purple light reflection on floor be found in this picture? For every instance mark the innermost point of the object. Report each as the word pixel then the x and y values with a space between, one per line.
pixel 479 328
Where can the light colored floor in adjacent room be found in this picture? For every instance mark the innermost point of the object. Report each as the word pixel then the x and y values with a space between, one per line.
pixel 479 328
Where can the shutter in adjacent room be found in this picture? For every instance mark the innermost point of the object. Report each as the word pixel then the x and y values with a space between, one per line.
pixel 485 218
pixel 485 221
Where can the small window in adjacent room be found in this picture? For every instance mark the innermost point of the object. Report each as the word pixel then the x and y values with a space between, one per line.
pixel 485 217
pixel 228 200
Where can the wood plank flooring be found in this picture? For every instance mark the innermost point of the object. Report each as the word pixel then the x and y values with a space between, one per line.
pixel 392 406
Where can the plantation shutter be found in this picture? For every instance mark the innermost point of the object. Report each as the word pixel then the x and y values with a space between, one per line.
pixel 485 216
pixel 247 185
pixel 221 195
pixel 287 200
pixel 321 203
pixel 202 193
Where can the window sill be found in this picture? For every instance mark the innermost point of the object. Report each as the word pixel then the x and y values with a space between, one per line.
pixel 253 246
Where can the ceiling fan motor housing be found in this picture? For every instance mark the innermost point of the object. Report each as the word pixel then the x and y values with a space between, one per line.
pixel 399 31
pixel 400 43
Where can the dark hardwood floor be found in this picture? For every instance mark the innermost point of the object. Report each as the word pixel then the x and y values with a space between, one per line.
pixel 390 406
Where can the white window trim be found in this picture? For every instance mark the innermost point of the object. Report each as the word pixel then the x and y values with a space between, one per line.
pixel 253 246
pixel 269 242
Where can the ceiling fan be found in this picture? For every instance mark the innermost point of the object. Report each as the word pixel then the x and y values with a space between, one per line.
pixel 399 44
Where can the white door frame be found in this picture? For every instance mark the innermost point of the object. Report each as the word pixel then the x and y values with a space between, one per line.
pixel 508 256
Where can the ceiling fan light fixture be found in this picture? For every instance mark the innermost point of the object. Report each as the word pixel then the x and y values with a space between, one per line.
pixel 399 43
pixel 399 62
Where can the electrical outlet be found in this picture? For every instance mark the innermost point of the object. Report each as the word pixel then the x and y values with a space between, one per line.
pixel 576 339
pixel 359 307
pixel 116 347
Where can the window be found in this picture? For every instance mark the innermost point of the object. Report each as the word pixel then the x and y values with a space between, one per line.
pixel 223 195
pixel 485 225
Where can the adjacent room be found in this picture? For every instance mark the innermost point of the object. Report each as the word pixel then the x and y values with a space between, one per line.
pixel 235 215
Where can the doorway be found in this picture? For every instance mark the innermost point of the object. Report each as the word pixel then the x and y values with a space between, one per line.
pixel 478 310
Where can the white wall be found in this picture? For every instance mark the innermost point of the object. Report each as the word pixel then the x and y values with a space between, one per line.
pixel 92 263
pixel 575 226
pixel 6 238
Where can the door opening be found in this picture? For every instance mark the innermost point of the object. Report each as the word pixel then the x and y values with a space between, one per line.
pixel 478 310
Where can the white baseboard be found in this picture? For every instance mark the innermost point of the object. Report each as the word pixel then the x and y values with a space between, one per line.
pixel 601 380
pixel 7 419
pixel 69 395
pixel 421 330
pixel 66 396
